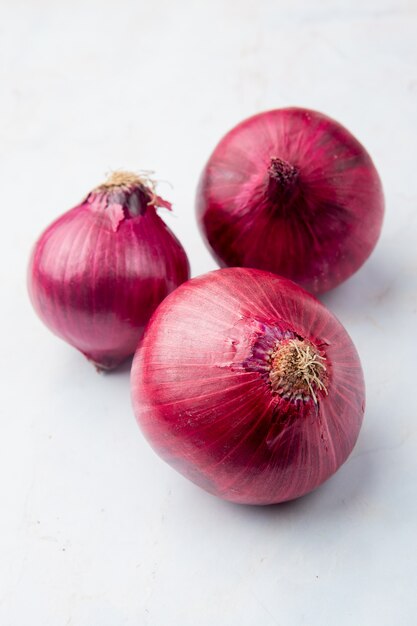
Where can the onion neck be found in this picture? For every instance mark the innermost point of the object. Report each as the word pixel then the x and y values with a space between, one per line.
pixel 121 180
pixel 297 370
pixel 281 179
pixel 133 192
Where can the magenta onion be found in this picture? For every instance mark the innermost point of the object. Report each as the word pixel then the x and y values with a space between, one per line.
pixel 248 386
pixel 293 192
pixel 99 271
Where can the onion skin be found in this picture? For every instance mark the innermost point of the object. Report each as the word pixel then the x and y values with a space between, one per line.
pixel 208 409
pixel 291 191
pixel 98 272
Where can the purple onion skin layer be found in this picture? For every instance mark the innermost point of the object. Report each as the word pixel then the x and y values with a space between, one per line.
pixel 98 272
pixel 203 397
pixel 293 192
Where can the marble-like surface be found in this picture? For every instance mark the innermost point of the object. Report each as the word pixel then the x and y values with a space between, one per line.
pixel 94 529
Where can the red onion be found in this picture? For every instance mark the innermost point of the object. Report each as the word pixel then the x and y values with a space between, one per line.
pixel 99 271
pixel 248 386
pixel 293 192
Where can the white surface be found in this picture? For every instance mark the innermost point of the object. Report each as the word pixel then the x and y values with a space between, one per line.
pixel 94 528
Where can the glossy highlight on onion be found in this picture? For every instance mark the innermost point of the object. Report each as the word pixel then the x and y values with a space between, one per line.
pixel 100 270
pixel 248 386
pixel 291 191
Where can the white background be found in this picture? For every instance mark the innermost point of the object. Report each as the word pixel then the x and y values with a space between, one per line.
pixel 95 530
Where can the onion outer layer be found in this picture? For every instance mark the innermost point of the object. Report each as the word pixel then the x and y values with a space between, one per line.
pixel 206 400
pixel 291 191
pixel 98 272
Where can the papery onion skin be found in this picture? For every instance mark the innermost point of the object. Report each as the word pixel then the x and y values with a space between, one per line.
pixel 98 272
pixel 291 191
pixel 205 403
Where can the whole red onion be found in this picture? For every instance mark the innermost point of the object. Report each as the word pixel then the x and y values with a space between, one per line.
pixel 248 386
pixel 293 192
pixel 99 271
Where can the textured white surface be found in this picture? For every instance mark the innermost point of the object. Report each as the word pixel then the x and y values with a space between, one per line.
pixel 94 528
